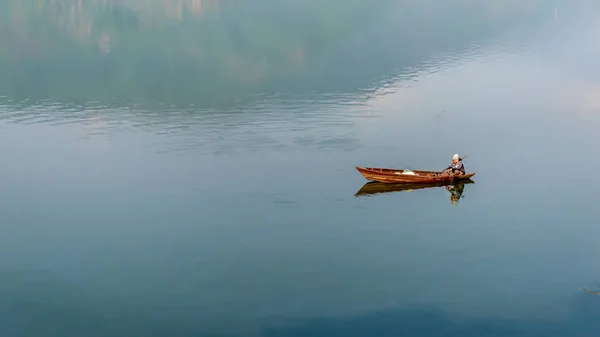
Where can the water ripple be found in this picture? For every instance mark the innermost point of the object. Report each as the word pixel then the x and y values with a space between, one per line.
pixel 308 121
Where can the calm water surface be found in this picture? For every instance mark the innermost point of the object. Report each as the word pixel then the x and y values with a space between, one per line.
pixel 186 168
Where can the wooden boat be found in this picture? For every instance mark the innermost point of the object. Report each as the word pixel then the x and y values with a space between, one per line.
pixel 385 175
pixel 374 187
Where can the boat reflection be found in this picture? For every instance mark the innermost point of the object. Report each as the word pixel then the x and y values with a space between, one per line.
pixel 456 189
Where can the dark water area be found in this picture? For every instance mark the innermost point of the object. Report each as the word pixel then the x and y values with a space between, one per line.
pixel 187 168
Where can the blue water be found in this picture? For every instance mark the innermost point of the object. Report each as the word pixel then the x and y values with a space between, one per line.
pixel 186 168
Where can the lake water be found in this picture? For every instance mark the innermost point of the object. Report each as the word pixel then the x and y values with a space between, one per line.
pixel 187 168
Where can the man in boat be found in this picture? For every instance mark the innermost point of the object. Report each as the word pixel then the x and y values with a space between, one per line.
pixel 457 167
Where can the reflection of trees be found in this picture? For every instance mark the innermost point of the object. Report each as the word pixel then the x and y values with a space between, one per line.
pixel 210 53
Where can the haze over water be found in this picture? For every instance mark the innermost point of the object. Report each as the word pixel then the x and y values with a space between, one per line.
pixel 187 168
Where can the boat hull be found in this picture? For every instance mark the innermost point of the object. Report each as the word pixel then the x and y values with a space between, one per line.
pixel 384 175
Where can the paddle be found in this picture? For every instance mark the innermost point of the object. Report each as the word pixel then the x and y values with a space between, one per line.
pixel 459 159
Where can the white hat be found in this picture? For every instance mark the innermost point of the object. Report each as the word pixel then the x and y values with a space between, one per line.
pixel 455 156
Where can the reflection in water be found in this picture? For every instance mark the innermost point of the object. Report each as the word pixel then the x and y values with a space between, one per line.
pixel 431 321
pixel 211 76
pixel 456 190
pixel 221 54
pixel 248 92
pixel 590 291
pixel 89 305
